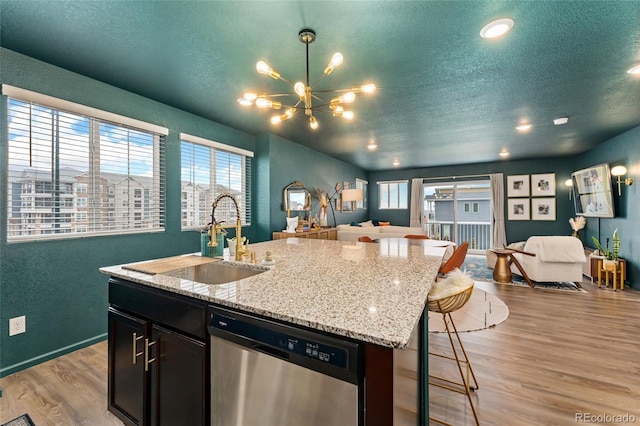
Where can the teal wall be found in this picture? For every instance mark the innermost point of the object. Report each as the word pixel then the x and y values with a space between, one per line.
pixel 56 284
pixel 516 230
pixel 282 162
pixel 622 150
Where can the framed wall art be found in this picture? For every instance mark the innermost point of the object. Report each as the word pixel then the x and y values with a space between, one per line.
pixel 543 185
pixel 543 208
pixel 593 195
pixel 518 209
pixel 518 186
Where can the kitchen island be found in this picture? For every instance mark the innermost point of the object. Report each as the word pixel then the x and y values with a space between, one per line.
pixel 374 294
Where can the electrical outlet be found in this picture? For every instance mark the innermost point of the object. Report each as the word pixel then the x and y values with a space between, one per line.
pixel 17 325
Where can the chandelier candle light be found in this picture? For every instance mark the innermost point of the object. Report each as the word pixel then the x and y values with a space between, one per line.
pixel 304 93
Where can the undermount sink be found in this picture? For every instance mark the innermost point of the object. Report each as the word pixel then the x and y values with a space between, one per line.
pixel 216 273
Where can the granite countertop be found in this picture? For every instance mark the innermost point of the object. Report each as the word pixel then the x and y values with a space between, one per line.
pixel 374 292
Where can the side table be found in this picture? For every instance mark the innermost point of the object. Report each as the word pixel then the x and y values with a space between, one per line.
pixel 617 270
pixel 502 269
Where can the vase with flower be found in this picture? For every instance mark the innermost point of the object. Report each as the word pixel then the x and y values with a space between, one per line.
pixel 577 224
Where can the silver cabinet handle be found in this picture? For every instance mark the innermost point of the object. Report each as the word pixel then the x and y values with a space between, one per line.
pixel 134 347
pixel 147 361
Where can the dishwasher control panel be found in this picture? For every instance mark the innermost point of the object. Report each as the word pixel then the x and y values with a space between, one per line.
pixel 286 340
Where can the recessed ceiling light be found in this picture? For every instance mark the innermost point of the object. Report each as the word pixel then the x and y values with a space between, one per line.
pixel 396 163
pixel 560 121
pixel 497 28
pixel 634 70
pixel 523 127
pixel 504 154
pixel 372 146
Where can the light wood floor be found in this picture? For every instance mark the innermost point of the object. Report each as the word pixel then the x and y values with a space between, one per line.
pixel 557 355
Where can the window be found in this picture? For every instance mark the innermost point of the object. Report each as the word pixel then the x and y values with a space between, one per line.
pixel 209 169
pixel 55 146
pixel 362 184
pixel 393 195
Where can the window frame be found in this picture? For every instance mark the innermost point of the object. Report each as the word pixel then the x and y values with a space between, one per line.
pixel 195 213
pixel 402 189
pixel 65 216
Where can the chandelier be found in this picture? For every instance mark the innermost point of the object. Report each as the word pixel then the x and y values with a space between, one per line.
pixel 305 98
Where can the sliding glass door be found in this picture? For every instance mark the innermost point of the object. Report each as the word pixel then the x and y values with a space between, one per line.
pixel 459 211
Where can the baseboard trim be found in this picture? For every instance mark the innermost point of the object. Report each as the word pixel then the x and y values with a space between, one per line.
pixel 50 355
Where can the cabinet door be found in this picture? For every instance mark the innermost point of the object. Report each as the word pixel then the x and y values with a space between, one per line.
pixel 127 379
pixel 179 374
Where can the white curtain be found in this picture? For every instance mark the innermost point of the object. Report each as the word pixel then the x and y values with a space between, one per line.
pixel 497 200
pixel 417 202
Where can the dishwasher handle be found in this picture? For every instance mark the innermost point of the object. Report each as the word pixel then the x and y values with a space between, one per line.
pixel 270 351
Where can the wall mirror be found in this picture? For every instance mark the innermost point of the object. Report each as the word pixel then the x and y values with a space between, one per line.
pixel 296 197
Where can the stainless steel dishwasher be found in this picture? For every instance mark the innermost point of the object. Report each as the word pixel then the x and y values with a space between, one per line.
pixel 265 373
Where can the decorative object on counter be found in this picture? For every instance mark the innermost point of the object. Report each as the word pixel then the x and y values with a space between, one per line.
pixel 211 251
pixel 303 94
pixel 577 224
pixel 268 259
pixel 212 240
pixel 232 243
pixel 292 224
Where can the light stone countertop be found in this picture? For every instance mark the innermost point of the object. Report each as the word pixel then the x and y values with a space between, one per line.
pixel 373 292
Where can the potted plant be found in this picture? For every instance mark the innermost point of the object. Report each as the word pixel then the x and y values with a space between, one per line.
pixel 611 256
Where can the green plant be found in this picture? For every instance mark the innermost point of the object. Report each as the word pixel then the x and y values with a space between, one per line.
pixel 616 245
pixel 609 254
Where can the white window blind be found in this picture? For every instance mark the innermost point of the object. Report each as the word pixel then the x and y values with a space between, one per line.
pixel 72 175
pixel 209 169
pixel 393 194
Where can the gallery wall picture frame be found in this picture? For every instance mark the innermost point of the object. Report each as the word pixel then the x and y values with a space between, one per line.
pixel 543 185
pixel 518 209
pixel 543 208
pixel 518 186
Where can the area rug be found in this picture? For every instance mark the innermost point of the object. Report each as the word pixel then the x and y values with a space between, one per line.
pixel 482 310
pixel 476 265
pixel 23 420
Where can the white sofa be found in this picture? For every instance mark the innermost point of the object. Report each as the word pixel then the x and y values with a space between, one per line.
pixel 557 259
pixel 351 233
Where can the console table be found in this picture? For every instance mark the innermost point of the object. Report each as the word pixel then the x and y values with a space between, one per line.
pixel 318 234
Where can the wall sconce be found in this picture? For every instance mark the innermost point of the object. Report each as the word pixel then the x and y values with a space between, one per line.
pixel 569 184
pixel 621 171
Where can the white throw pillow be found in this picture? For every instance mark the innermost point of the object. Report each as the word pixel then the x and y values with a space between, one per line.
pixel 367 224
pixel 456 282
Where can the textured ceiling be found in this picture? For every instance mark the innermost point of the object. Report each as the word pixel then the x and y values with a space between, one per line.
pixel 446 96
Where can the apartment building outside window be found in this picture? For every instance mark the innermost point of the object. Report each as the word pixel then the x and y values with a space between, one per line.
pixel 62 155
pixel 209 169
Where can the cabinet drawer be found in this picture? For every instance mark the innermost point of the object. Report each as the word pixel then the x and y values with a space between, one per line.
pixel 173 310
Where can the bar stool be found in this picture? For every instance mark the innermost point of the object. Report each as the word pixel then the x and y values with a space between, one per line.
pixel 445 305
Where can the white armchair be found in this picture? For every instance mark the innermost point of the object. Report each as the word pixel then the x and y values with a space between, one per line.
pixel 557 259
